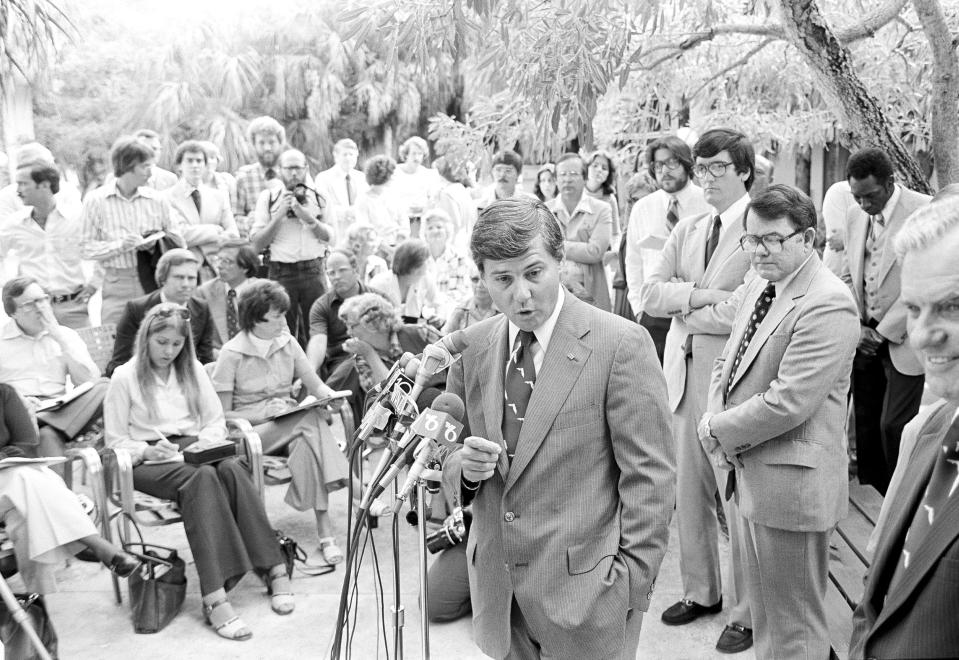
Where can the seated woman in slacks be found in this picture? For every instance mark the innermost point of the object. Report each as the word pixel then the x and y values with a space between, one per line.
pixel 254 377
pixel 160 402
pixel 43 519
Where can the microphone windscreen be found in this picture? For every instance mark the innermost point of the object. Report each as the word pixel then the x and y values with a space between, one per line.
pixel 427 397
pixel 455 342
pixel 412 368
pixel 450 404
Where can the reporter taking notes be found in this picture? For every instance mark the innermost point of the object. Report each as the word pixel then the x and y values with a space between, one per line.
pixel 567 459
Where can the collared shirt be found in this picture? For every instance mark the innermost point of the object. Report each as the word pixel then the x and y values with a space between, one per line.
pixel 325 320
pixel 49 254
pixel 735 213
pixel 293 241
pixel 35 365
pixel 206 227
pixel 784 282
pixel 877 242
pixel 543 333
pixel 588 231
pixel 108 217
pixel 890 206
pixel 451 273
pixel 131 423
pixel 250 182
pixel 648 226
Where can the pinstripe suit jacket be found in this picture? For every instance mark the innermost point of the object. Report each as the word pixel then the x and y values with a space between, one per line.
pixel 918 618
pixel 575 529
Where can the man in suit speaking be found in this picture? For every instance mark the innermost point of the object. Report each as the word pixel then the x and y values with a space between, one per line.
pixel 776 417
pixel 569 464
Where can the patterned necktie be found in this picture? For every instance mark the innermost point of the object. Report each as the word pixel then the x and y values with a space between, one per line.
pixel 232 323
pixel 350 191
pixel 520 378
pixel 672 215
pixel 943 484
pixel 195 195
pixel 876 224
pixel 760 310
pixel 713 240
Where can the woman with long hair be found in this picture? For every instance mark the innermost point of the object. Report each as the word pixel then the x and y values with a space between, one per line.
pixel 160 402
pixel 601 182
pixel 545 187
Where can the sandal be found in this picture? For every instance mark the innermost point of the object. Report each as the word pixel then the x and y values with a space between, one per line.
pixel 225 621
pixel 331 552
pixel 281 592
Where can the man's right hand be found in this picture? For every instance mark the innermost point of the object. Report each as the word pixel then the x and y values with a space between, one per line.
pixel 282 205
pixel 869 340
pixel 129 242
pixel 479 458
pixel 163 450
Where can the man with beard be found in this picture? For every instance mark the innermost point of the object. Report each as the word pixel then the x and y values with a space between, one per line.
pixel 290 222
pixel 652 219
pixel 267 137
pixel 702 264
pixel 505 168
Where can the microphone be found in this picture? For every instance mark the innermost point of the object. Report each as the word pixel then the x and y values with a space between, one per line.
pixel 432 428
pixel 439 423
pixel 375 419
pixel 438 356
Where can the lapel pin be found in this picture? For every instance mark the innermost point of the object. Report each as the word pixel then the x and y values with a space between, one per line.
pixel 570 356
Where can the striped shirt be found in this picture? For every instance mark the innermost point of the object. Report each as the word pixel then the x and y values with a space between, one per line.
pixel 250 182
pixel 108 217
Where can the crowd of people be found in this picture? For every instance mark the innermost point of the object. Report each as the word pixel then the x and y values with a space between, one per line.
pixel 764 350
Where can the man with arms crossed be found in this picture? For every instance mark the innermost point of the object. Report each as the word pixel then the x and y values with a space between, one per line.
pixel 777 413
pixel 568 463
pixel 700 266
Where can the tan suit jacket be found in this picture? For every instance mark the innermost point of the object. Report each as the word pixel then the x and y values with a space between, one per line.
pixel 786 413
pixel 576 527
pixel 202 231
pixel 213 293
pixel 684 258
pixel 892 318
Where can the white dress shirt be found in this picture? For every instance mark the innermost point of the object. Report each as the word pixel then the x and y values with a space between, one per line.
pixel 543 333
pixel 35 365
pixel 49 254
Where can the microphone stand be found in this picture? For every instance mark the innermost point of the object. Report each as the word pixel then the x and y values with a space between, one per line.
pixel 428 475
pixel 399 616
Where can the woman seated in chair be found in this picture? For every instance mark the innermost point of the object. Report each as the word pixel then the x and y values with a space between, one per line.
pixel 162 401
pixel 254 378
pixel 43 518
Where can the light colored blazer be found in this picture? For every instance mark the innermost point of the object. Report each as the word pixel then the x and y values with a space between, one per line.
pixel 917 619
pixel 786 413
pixel 202 231
pixel 589 493
pixel 892 321
pixel 684 258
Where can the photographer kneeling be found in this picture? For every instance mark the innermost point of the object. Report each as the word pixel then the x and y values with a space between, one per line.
pixel 448 580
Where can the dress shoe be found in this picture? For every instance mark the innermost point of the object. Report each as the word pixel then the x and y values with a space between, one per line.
pixel 686 610
pixel 735 638
pixel 123 564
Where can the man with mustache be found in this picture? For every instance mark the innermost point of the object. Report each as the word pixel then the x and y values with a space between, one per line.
pixel 653 218
pixel 505 168
pixel 702 264
pixel 268 137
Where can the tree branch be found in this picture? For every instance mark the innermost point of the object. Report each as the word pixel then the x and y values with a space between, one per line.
pixel 738 63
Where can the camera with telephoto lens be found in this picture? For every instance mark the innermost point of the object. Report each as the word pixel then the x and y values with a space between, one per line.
pixel 453 532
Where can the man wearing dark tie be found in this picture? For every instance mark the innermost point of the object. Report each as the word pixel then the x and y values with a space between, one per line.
pixel 909 606
pixel 700 266
pixel 887 381
pixel 569 462
pixel 776 417
pixel 342 185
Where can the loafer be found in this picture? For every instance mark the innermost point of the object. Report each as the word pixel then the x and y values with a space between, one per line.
pixel 735 638
pixel 686 611
pixel 124 564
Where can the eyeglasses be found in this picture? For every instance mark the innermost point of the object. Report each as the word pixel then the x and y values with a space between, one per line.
pixel 772 242
pixel 668 164
pixel 167 312
pixel 716 169
pixel 33 305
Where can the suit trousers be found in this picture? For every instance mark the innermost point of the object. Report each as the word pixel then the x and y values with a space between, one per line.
pixel 224 518
pixel 786 576
pixel 696 484
pixel 524 646
pixel 120 285
pixel 658 329
pixel 304 281
pixel 885 401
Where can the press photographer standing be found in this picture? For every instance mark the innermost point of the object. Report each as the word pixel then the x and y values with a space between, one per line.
pixel 289 222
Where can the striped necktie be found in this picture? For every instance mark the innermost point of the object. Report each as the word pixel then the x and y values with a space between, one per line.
pixel 672 213
pixel 518 388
